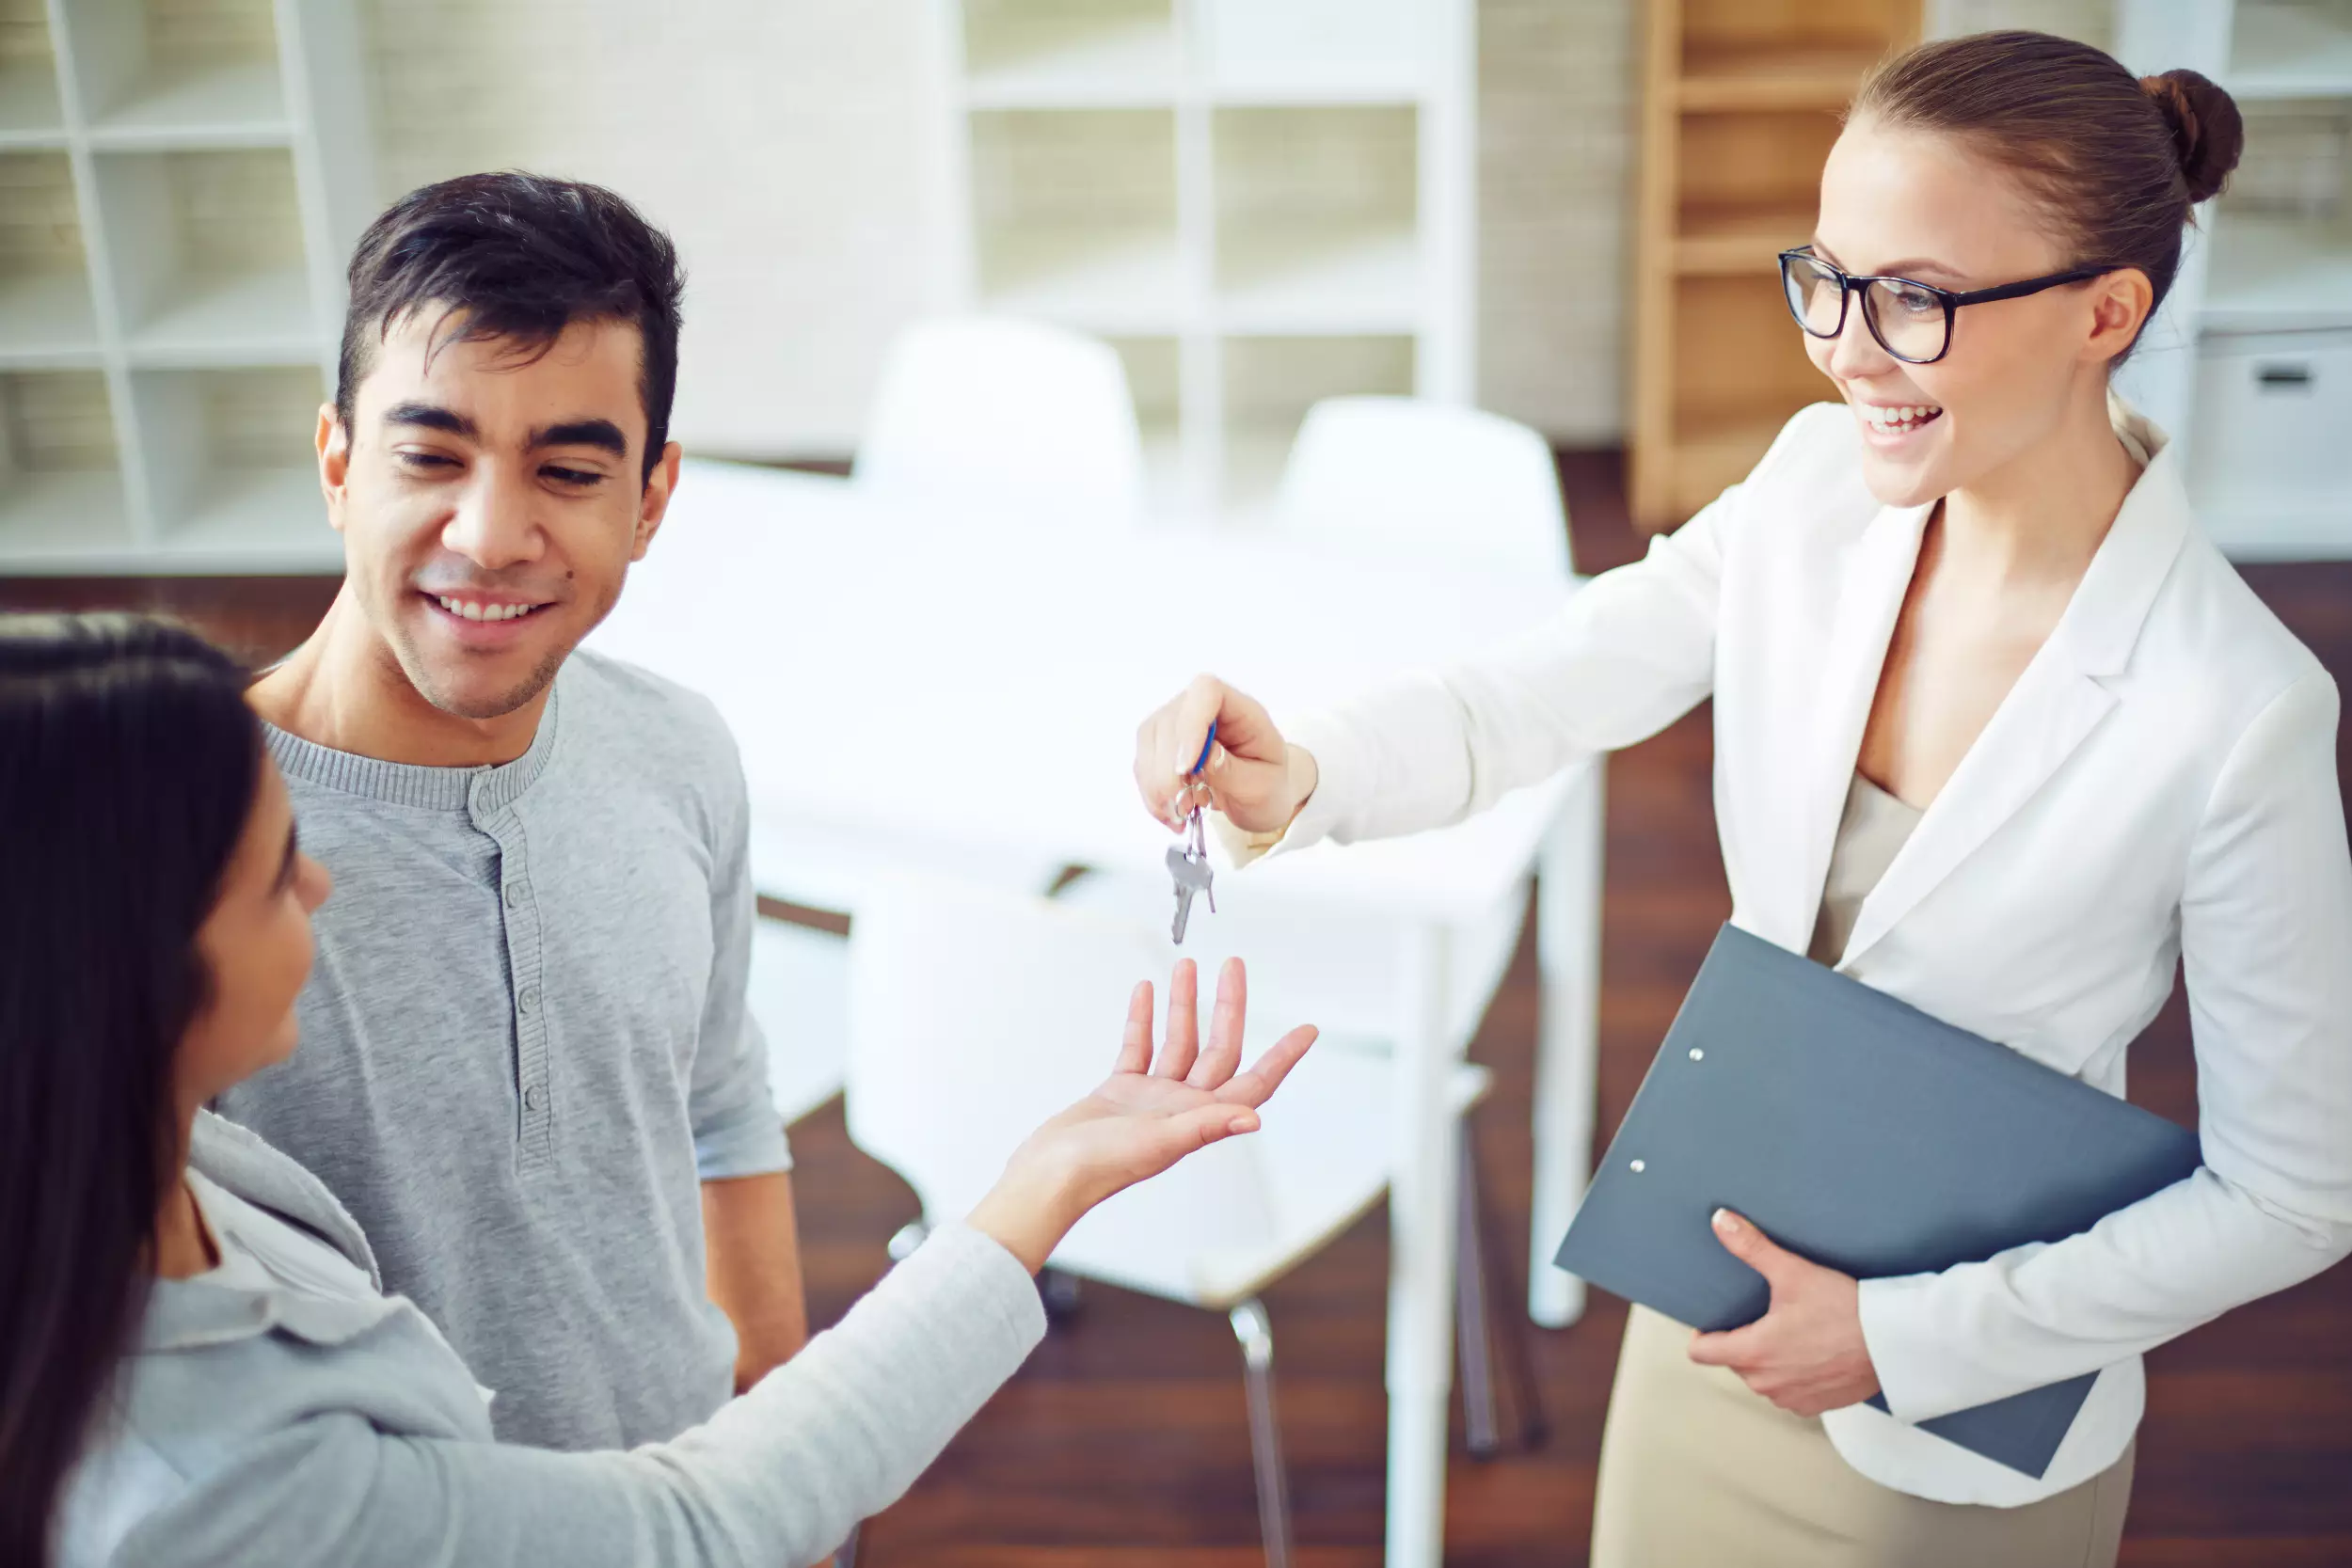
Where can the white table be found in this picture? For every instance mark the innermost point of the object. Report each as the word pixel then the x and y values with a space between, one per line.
pixel 927 685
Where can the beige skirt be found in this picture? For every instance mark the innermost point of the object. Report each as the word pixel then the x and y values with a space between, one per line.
pixel 1697 1470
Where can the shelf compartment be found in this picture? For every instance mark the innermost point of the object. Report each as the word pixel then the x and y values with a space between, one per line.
pixel 230 471
pixel 1753 162
pixel 45 315
pixel 1270 383
pixel 1743 54
pixel 2290 49
pixel 162 76
pixel 1321 51
pixel 1740 371
pixel 1316 220
pixel 1070 54
pixel 30 115
pixel 206 251
pixel 2278 274
pixel 61 499
pixel 1074 216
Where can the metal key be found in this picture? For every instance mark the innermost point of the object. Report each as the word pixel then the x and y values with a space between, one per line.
pixel 1188 864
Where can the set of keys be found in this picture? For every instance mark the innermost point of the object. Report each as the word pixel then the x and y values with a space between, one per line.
pixel 1188 862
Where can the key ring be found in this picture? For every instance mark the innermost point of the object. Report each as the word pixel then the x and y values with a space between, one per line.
pixel 1192 804
pixel 1206 747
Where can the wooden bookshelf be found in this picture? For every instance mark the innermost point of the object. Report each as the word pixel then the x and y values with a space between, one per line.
pixel 1740 103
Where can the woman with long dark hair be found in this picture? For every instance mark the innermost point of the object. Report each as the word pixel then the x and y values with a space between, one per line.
pixel 197 1363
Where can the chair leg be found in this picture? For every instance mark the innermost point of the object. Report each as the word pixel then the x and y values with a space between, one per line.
pixel 1477 1345
pixel 844 1555
pixel 1265 1441
pixel 1060 1292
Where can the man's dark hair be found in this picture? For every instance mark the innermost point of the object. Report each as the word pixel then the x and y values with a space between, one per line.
pixel 517 257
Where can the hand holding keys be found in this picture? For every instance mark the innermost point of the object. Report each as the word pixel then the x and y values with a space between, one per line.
pixel 1188 862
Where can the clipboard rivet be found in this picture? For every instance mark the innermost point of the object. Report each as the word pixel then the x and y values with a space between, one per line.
pixel 1637 1168
pixel 1696 1054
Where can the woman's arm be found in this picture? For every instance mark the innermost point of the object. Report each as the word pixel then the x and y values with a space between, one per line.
pixel 2267 942
pixel 780 1475
pixel 776 1477
pixel 1630 652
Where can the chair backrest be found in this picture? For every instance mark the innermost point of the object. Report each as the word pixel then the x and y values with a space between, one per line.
pixel 1405 475
pixel 976 1014
pixel 1009 418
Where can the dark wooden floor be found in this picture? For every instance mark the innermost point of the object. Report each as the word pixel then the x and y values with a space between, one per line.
pixel 1123 1444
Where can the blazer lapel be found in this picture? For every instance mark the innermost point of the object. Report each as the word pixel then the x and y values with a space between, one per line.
pixel 2057 701
pixel 1870 597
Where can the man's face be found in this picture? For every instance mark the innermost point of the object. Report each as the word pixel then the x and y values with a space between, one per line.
pixel 491 502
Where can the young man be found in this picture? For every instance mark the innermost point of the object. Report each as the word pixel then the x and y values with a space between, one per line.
pixel 527 1068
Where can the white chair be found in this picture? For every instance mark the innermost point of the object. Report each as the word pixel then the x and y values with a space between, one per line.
pixel 975 1015
pixel 1013 419
pixel 1431 479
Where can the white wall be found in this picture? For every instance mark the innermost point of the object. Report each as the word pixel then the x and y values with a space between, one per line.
pixel 785 144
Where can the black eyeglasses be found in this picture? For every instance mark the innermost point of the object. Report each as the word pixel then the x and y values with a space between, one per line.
pixel 1910 321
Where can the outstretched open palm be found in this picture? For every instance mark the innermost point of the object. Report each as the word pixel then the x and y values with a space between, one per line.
pixel 1149 1114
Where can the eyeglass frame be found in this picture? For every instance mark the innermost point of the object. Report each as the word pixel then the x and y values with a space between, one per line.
pixel 1851 284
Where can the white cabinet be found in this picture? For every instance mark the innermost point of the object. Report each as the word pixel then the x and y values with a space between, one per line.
pixel 181 183
pixel 2267 281
pixel 1257 201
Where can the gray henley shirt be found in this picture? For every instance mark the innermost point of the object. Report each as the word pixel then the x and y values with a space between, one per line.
pixel 525 1045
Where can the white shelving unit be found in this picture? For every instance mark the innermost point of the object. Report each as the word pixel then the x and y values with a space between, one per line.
pixel 2249 362
pixel 180 184
pixel 1257 202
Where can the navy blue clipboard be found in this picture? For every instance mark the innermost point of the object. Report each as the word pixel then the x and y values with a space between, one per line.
pixel 1862 1134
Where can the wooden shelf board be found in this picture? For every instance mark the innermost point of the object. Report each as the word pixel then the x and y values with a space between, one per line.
pixel 2278 274
pixel 1729 242
pixel 63 521
pixel 2290 52
pixel 45 319
pixel 204 106
pixel 29 113
pixel 1319 281
pixel 1131 285
pixel 257 318
pixel 1087 68
pixel 1772 76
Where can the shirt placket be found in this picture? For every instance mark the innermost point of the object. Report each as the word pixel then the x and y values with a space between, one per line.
pixel 518 908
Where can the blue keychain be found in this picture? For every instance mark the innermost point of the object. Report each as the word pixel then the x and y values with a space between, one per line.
pixel 1188 862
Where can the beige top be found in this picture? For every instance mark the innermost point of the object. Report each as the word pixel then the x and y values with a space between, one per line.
pixel 1871 833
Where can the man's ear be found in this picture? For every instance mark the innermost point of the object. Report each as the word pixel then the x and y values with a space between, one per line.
pixel 333 441
pixel 2121 303
pixel 655 503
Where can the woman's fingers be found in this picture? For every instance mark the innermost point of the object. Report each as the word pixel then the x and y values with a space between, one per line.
pixel 1216 1063
pixel 1184 1021
pixel 1134 1047
pixel 1266 1074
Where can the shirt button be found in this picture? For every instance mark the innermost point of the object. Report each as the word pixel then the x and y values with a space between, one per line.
pixel 516 894
pixel 529 1000
pixel 531 1098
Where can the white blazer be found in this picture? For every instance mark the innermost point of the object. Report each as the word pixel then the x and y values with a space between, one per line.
pixel 2160 784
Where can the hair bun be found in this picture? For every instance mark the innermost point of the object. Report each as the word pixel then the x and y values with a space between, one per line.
pixel 2208 133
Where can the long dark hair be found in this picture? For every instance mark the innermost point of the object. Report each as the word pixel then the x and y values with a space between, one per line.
pixel 129 765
